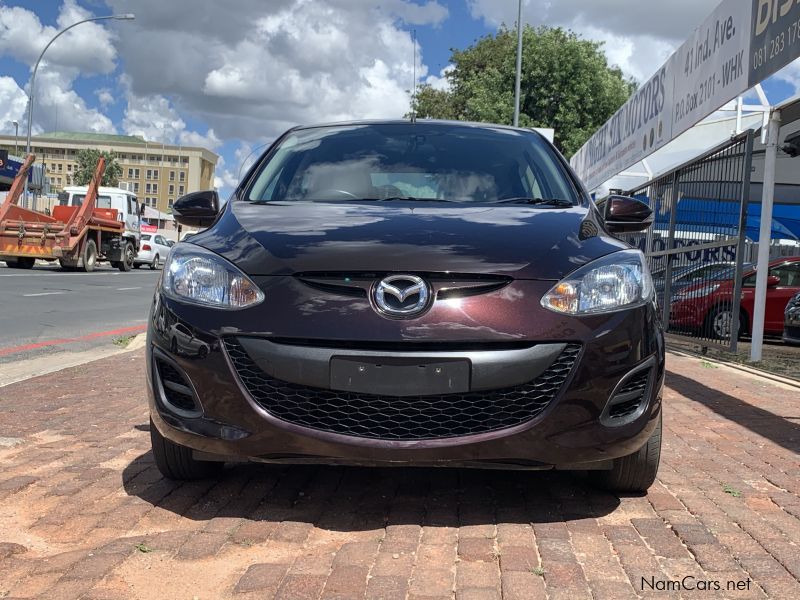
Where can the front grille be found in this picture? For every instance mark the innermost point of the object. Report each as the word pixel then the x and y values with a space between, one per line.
pixel 402 418
pixel 793 332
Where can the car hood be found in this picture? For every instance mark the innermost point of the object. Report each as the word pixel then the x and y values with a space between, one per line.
pixel 523 242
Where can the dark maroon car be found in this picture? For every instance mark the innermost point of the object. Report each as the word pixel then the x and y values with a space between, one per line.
pixel 408 293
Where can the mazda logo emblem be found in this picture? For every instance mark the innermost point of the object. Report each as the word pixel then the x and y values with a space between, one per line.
pixel 401 296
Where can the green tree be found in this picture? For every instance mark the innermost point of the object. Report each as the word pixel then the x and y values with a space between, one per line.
pixel 87 163
pixel 567 84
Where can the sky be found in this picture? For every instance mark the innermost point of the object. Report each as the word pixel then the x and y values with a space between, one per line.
pixel 232 75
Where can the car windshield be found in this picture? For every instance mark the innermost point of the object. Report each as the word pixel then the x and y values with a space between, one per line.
pixel 416 161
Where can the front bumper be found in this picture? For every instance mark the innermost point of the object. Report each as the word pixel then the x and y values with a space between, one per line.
pixel 235 377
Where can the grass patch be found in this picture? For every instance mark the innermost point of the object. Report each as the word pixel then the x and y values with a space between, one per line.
pixel 538 571
pixel 731 490
pixel 708 365
pixel 143 548
pixel 123 341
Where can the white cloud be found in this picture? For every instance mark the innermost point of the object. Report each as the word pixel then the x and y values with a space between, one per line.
pixel 440 82
pixel 253 72
pixel 59 107
pixel 88 47
pixel 13 102
pixel 639 35
pixel 104 96
pixel 154 118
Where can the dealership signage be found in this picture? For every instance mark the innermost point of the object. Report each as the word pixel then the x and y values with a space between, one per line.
pixel 640 127
pixel 739 45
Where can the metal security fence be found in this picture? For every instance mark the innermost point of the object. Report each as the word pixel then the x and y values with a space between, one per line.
pixel 697 244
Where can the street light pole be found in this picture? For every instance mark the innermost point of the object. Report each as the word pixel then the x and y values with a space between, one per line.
pixel 123 17
pixel 519 64
pixel 15 123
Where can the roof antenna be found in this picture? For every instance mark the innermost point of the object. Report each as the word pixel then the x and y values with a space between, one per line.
pixel 414 89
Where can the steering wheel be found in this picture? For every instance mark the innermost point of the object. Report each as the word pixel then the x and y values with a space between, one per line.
pixel 325 193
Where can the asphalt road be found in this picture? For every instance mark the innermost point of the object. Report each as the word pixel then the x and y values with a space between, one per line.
pixel 47 309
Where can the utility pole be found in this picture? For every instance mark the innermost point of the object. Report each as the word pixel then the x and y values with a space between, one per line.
pixel 519 64
pixel 414 88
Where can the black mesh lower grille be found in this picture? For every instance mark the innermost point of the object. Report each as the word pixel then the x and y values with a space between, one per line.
pixel 402 418
pixel 176 388
pixel 635 385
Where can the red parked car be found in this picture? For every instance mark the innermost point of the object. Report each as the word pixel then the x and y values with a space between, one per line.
pixel 707 307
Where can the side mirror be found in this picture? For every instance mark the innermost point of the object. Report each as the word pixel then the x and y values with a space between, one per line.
pixel 198 209
pixel 773 281
pixel 623 214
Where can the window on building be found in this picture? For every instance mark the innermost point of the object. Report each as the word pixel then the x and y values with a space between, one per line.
pixel 171 188
pixel 147 188
pixel 170 202
pixel 60 167
pixel 130 173
pixel 172 175
pixel 135 188
pixel 155 188
pixel 180 190
pixel 182 176
pixel 69 168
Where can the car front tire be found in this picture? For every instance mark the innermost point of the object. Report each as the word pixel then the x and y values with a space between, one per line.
pixel 176 462
pixel 636 472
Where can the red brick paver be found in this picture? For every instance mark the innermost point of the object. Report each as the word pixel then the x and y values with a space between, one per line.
pixel 85 514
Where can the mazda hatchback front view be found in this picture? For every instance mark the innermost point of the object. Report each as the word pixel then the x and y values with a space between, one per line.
pixel 408 293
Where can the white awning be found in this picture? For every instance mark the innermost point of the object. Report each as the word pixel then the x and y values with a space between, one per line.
pixel 152 213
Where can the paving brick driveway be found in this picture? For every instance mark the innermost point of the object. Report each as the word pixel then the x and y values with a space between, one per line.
pixel 85 514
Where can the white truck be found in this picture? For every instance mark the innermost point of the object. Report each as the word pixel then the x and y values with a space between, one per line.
pixel 124 202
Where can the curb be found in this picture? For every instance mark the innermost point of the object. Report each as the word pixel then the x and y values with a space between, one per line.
pixel 793 383
pixel 34 367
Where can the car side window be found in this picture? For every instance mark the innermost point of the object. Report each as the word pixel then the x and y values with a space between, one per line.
pixel 160 240
pixel 749 281
pixel 788 274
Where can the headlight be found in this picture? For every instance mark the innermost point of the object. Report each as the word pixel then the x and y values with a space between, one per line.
pixel 615 282
pixel 196 275
pixel 701 292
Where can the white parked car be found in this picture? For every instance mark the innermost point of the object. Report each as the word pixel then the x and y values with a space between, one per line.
pixel 153 250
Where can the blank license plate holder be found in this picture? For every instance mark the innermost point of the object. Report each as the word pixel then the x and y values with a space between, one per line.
pixel 394 376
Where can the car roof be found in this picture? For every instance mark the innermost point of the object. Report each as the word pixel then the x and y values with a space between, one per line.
pixel 434 122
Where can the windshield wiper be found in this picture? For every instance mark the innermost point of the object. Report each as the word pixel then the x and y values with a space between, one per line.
pixel 539 201
pixel 409 198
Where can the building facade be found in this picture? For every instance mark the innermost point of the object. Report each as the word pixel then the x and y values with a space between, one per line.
pixel 157 173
